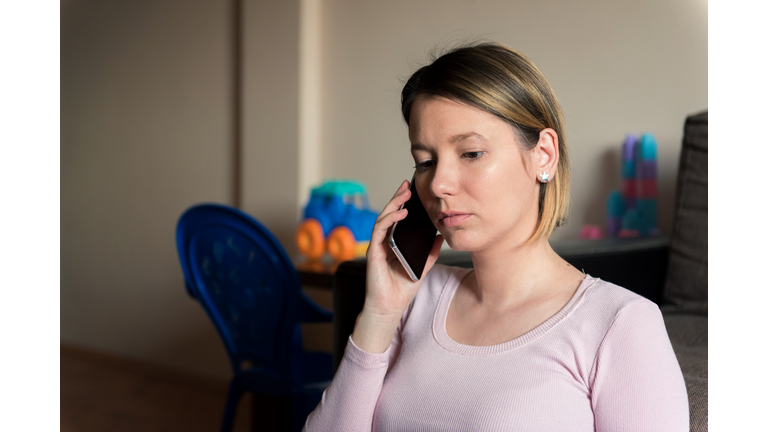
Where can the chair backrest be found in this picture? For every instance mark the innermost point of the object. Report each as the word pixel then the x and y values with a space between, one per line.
pixel 245 282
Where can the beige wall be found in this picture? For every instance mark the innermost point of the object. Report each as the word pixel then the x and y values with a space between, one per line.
pixel 147 127
pixel 616 66
pixel 146 132
pixel 271 115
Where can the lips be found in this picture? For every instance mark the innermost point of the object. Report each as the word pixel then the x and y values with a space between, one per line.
pixel 452 218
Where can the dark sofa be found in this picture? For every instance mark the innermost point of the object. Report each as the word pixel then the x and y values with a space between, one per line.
pixel 685 294
pixel 669 271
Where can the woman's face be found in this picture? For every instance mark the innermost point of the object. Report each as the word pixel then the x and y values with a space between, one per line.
pixel 472 176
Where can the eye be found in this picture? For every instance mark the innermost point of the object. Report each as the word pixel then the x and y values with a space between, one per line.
pixel 424 165
pixel 473 155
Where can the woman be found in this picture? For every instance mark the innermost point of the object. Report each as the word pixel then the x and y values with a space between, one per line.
pixel 524 341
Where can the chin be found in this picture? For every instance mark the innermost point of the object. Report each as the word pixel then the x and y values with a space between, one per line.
pixel 461 241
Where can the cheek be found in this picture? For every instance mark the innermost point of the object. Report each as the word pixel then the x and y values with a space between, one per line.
pixel 505 188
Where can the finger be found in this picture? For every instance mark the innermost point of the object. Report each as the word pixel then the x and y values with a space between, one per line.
pixel 395 204
pixel 404 185
pixel 381 227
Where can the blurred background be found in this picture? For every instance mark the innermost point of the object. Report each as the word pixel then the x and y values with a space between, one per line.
pixel 169 103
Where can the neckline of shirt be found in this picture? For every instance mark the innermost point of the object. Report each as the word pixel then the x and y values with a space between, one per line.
pixel 441 315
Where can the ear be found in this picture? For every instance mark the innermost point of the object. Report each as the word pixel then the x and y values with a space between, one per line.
pixel 546 154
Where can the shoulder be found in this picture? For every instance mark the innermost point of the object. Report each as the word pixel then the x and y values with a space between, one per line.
pixel 625 324
pixel 605 302
pixel 635 378
pixel 605 311
pixel 624 308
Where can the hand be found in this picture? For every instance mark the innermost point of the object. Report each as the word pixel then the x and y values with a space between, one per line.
pixel 389 290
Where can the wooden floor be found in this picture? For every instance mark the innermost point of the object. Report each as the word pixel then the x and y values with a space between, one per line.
pixel 103 393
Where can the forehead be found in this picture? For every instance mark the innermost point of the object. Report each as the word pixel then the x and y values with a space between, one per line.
pixel 436 120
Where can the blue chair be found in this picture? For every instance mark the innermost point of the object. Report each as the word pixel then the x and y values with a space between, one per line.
pixel 247 285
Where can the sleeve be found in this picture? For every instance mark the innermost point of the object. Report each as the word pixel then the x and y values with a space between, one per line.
pixel 636 381
pixel 349 402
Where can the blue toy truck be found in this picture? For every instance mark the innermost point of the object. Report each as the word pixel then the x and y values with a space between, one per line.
pixel 337 219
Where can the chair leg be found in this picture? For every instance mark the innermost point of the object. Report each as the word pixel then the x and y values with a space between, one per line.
pixel 233 397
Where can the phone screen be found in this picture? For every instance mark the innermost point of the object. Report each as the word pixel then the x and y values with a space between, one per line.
pixel 412 238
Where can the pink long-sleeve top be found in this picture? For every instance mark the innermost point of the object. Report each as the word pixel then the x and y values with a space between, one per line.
pixel 602 363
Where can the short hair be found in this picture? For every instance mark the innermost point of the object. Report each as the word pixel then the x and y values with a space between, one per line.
pixel 502 82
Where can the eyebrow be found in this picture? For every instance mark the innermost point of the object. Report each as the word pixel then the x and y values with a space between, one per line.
pixel 453 140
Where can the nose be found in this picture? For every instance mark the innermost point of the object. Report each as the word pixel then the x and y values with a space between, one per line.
pixel 444 180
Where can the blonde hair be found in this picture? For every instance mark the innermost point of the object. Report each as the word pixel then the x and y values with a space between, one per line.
pixel 502 82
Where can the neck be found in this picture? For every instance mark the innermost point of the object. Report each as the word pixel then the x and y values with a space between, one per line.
pixel 506 276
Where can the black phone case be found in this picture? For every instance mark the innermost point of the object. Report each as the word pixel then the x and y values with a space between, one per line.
pixel 413 236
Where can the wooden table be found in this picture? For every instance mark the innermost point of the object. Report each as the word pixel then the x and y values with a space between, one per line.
pixel 320 273
pixel 316 273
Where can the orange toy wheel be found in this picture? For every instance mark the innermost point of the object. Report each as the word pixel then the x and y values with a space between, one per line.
pixel 341 244
pixel 309 239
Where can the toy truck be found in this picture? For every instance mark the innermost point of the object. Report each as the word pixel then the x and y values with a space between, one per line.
pixel 337 219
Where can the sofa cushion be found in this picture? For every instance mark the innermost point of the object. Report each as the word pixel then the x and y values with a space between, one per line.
pixel 686 285
pixel 698 403
pixel 688 334
pixel 685 329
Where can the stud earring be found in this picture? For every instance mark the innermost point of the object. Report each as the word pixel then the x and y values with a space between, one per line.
pixel 544 177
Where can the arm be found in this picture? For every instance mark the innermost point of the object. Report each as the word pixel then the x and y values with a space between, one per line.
pixel 636 380
pixel 349 402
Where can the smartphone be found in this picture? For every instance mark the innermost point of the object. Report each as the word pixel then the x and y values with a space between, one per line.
pixel 411 238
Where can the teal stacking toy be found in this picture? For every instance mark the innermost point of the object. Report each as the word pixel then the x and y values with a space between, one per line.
pixel 646 175
pixel 632 211
pixel 615 212
pixel 631 224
